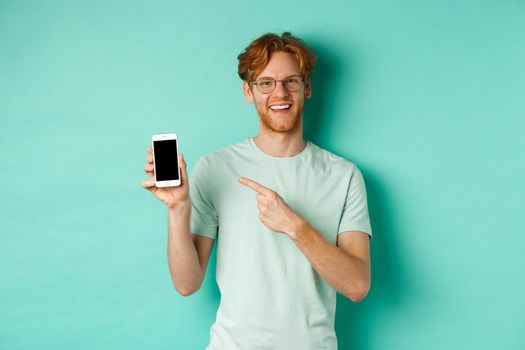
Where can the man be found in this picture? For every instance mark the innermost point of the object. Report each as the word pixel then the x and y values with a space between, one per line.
pixel 290 219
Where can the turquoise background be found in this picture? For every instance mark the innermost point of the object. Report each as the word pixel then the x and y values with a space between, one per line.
pixel 426 97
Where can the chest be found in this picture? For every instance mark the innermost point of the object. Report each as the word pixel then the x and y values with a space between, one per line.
pixel 317 194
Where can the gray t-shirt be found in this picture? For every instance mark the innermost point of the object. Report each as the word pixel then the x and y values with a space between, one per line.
pixel 271 297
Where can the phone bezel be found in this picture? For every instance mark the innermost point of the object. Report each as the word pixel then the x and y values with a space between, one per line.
pixel 165 137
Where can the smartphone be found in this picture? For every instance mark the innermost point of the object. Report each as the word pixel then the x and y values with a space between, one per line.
pixel 166 160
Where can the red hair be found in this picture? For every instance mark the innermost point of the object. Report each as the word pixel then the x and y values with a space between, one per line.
pixel 257 55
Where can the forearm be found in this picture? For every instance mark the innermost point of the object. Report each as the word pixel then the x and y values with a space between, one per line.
pixel 345 273
pixel 183 260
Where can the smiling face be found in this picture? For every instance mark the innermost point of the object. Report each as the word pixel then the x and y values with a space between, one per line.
pixel 280 110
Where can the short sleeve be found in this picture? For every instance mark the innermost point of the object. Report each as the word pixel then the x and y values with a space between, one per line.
pixel 204 220
pixel 355 212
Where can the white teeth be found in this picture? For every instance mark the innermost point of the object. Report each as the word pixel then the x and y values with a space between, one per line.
pixel 280 107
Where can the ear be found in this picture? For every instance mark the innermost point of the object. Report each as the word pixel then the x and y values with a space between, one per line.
pixel 308 88
pixel 246 89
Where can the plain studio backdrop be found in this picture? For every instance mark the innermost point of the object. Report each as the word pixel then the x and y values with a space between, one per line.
pixel 425 97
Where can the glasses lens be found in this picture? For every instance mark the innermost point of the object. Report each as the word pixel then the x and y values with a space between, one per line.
pixel 265 85
pixel 293 84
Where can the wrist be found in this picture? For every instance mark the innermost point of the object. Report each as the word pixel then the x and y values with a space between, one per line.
pixel 299 225
pixel 179 207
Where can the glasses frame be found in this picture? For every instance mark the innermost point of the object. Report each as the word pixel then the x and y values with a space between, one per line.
pixel 255 82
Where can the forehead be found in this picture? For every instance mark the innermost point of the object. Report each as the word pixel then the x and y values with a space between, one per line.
pixel 281 65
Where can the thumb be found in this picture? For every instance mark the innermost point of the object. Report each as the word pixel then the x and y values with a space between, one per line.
pixel 183 172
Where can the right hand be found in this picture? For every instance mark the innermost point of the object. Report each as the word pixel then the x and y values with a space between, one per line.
pixel 171 196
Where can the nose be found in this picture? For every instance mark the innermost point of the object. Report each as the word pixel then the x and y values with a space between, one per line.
pixel 280 90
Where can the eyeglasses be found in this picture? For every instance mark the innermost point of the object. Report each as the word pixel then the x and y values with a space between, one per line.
pixel 293 83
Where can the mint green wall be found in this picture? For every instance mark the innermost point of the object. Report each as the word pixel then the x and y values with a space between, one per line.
pixel 426 97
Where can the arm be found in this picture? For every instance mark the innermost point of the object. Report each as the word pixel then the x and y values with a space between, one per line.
pixel 188 254
pixel 345 267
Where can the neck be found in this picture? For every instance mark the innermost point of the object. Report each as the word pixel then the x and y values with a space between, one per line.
pixel 280 144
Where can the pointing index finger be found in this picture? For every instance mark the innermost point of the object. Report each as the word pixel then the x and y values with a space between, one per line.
pixel 257 187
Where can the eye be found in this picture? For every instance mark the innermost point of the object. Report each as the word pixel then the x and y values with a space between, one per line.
pixel 264 83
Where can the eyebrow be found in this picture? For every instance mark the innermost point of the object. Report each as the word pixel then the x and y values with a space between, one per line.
pixel 289 76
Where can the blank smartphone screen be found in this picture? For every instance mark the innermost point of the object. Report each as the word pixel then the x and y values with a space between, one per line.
pixel 166 160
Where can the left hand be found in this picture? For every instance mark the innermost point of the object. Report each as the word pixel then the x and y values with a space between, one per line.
pixel 274 213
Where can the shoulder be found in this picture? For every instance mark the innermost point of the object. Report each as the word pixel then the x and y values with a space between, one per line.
pixel 330 160
pixel 218 157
